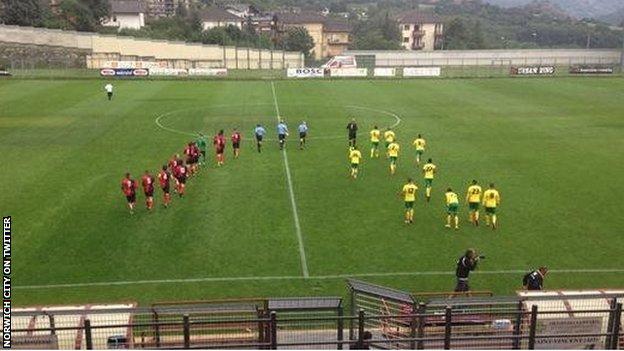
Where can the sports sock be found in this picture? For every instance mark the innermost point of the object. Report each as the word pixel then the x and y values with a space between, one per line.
pixel 448 220
pixel 456 222
pixel 428 192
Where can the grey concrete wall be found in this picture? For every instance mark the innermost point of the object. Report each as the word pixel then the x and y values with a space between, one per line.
pixel 492 57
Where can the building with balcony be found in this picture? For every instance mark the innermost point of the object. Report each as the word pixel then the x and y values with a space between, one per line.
pixel 217 17
pixel 128 14
pixel 420 30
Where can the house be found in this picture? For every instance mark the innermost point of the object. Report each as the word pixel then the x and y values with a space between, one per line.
pixel 242 10
pixel 165 8
pixel 331 37
pixel 218 17
pixel 126 14
pixel 265 23
pixel 420 30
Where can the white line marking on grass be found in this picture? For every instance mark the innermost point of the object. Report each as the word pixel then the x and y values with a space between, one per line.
pixel 297 277
pixel 293 203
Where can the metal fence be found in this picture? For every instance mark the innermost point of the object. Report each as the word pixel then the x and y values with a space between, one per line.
pixel 478 322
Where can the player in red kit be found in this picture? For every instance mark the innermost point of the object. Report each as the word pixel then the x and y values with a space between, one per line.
pixel 181 173
pixel 128 187
pixel 191 158
pixel 236 139
pixel 173 166
pixel 148 188
pixel 219 144
pixel 164 178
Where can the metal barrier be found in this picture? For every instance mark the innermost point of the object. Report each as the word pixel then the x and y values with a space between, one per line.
pixel 317 323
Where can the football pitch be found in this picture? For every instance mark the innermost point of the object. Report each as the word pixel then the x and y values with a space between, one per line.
pixel 293 223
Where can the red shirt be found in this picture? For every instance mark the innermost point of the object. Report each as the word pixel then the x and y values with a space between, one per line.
pixel 188 150
pixel 173 163
pixel 163 178
pixel 128 186
pixel 195 150
pixel 180 171
pixel 148 183
pixel 219 142
pixel 236 137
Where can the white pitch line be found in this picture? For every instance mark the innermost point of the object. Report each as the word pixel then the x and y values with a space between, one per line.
pixel 293 203
pixel 297 277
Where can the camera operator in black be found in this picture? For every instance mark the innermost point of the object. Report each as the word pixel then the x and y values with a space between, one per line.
pixel 535 279
pixel 465 265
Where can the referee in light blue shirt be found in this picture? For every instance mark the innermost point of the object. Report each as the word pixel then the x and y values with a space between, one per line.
pixel 259 132
pixel 282 133
pixel 303 133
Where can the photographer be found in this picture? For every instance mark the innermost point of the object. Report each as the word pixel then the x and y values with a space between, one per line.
pixel 465 265
pixel 535 280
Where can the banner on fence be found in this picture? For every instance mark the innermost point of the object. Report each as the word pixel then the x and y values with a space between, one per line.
pixel 4 73
pixel 134 64
pixel 533 71
pixel 591 70
pixel 208 72
pixel 348 72
pixel 124 72
pixel 168 72
pixel 305 73
pixel 567 328
pixel 422 71
pixel 384 72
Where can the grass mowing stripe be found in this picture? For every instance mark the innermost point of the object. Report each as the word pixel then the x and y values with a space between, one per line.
pixel 293 203
pixel 320 277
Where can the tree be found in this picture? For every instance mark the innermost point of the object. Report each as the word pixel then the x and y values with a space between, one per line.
pixel 456 35
pixel 84 15
pixel 297 39
pixel 21 12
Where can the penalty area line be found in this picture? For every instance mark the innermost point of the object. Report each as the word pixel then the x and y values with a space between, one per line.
pixel 298 277
pixel 293 203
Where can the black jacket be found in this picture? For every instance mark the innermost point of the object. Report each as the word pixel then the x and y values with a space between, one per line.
pixel 464 266
pixel 533 281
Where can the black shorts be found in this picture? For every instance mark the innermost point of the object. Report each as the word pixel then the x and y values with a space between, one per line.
pixel 281 137
pixel 131 198
pixel 259 137
pixel 190 160
pixel 302 135
pixel 194 159
pixel 462 286
pixel 149 193
pixel 182 180
pixel 352 136
pixel 165 189
pixel 236 145
pixel 109 94
pixel 220 151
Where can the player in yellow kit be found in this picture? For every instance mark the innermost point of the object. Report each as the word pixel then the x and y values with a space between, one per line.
pixel 452 206
pixel 355 156
pixel 375 135
pixel 429 170
pixel 409 196
pixel 473 198
pixel 393 154
pixel 389 138
pixel 491 201
pixel 420 144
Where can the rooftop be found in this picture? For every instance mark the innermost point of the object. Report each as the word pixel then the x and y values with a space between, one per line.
pixel 216 14
pixel 418 16
pixel 128 6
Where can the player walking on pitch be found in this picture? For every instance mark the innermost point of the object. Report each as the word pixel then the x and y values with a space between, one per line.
pixel 429 170
pixel 393 155
pixel 352 131
pixel 473 198
pixel 282 133
pixel 420 144
pixel 219 145
pixel 164 178
pixel 148 188
pixel 491 201
pixel 303 133
pixel 355 156
pixel 202 143
pixel 409 196
pixel 109 91
pixel 375 135
pixel 128 187
pixel 389 138
pixel 452 206
pixel 259 132
pixel 236 140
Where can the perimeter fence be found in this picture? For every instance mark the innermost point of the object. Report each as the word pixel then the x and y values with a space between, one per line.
pixel 377 317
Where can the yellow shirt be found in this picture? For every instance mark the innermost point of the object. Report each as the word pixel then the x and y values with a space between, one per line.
pixel 420 144
pixel 429 170
pixel 355 156
pixel 451 198
pixel 409 192
pixel 491 198
pixel 393 150
pixel 375 135
pixel 389 136
pixel 474 194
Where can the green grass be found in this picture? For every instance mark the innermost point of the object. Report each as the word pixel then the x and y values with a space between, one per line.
pixel 553 146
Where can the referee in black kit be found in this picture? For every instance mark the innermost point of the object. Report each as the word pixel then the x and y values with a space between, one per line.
pixel 465 264
pixel 352 128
